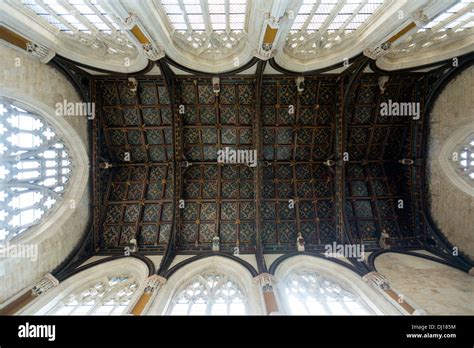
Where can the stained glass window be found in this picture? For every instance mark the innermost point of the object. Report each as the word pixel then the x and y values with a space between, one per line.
pixel 308 293
pixel 209 294
pixel 108 296
pixel 34 170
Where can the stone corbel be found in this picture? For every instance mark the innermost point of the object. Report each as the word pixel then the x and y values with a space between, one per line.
pixel 43 53
pixel 45 284
pixel 420 18
pixel 130 21
pixel 264 53
pixel 153 52
pixel 376 280
pixel 265 280
pixel 377 52
pixel 153 283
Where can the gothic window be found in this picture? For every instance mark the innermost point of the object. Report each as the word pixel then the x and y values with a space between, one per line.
pixel 107 296
pixel 455 22
pixel 324 24
pixel 209 27
pixel 84 21
pixel 306 292
pixel 209 294
pixel 466 159
pixel 34 170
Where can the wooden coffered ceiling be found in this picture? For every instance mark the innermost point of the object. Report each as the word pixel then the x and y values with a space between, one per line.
pixel 167 191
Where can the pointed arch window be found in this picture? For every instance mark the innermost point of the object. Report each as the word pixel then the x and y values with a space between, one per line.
pixel 465 161
pixel 307 292
pixel 209 294
pixel 35 168
pixel 324 24
pixel 455 23
pixel 107 296
pixel 83 21
pixel 208 27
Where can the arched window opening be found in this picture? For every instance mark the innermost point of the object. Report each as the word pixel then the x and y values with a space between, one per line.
pixel 207 28
pixel 307 292
pixel 35 168
pixel 466 159
pixel 454 23
pixel 209 294
pixel 107 296
pixel 83 22
pixel 322 25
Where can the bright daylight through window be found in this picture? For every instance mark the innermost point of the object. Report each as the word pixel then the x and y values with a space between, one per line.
pixel 309 293
pixel 210 293
pixel 34 170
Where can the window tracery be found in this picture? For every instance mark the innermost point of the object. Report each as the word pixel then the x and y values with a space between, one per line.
pixel 107 296
pixel 209 294
pixel 210 28
pixel 465 162
pixel 324 24
pixel 84 22
pixel 34 170
pixel 455 23
pixel 308 293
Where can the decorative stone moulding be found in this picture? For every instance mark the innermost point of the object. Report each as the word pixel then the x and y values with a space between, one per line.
pixel 377 52
pixel 153 283
pixel 43 53
pixel 420 18
pixel 265 280
pixel 376 280
pixel 45 284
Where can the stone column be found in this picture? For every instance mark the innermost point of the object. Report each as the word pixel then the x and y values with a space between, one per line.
pixel 153 284
pixel 41 287
pixel 265 281
pixel 380 282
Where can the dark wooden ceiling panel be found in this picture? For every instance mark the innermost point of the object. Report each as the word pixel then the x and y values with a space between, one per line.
pixel 297 186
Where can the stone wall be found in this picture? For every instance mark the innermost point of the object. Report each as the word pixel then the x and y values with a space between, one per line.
pixel 33 82
pixel 432 286
pixel 451 208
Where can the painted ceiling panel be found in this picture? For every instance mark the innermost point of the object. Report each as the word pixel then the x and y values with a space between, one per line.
pixel 294 184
